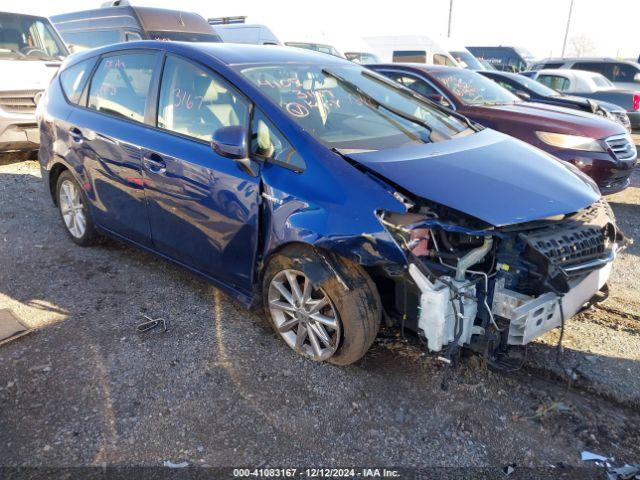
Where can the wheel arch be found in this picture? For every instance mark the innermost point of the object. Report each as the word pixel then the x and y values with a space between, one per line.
pixel 54 173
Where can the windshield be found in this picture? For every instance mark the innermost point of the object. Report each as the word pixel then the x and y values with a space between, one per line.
pixel 351 108
pixel 29 38
pixel 184 36
pixel 474 89
pixel 467 60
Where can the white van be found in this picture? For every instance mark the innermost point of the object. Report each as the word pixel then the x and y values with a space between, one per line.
pixel 30 53
pixel 410 49
pixel 237 31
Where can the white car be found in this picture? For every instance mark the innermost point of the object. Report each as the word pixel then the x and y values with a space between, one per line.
pixel 30 53
pixel 592 85
pixel 622 73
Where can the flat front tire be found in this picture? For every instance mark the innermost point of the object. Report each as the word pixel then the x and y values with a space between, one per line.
pixel 322 322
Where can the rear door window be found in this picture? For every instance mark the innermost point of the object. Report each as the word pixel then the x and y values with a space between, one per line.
pixel 74 78
pixel 556 82
pixel 196 102
pixel 120 85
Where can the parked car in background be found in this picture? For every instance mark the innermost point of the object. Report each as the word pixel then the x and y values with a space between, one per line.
pixel 592 85
pixel 507 59
pixel 466 59
pixel 599 147
pixel 325 193
pixel 409 49
pixel 30 54
pixel 622 73
pixel 235 30
pixel 125 23
pixel 316 47
pixel 531 90
pixel 486 65
pixel 363 58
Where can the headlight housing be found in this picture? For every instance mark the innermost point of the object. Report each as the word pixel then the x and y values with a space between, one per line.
pixel 572 142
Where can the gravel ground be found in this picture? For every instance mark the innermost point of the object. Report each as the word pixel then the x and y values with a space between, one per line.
pixel 220 389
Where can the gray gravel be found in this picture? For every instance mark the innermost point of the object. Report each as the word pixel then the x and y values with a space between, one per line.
pixel 221 389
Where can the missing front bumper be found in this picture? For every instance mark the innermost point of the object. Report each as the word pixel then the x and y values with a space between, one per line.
pixel 531 317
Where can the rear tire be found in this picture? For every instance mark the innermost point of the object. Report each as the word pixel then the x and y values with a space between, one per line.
pixel 358 310
pixel 73 207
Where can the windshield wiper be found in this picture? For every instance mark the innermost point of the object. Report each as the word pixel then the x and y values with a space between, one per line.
pixel 406 90
pixel 358 91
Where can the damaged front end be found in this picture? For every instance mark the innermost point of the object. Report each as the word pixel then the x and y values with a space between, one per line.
pixel 468 283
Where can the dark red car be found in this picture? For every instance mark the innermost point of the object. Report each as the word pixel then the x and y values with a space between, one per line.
pixel 599 147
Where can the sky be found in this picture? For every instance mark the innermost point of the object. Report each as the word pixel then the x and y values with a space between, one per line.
pixel 539 25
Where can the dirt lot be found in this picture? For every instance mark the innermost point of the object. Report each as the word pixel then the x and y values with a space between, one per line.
pixel 220 389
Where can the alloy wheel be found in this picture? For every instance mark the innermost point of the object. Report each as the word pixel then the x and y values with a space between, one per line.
pixel 72 209
pixel 303 315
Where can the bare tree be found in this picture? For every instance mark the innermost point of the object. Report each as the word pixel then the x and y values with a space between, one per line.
pixel 581 46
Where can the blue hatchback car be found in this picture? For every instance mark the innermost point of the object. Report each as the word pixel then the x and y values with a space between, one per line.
pixel 323 191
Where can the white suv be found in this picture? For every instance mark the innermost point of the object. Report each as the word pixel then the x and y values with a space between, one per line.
pixel 30 53
pixel 623 73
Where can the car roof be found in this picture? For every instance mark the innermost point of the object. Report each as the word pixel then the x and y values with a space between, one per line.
pixel 427 68
pixel 586 59
pixel 500 73
pixel 25 15
pixel 227 53
pixel 570 72
pixel 150 18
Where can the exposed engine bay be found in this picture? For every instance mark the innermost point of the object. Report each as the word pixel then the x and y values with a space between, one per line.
pixel 471 284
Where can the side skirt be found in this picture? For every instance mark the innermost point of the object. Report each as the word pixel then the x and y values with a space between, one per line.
pixel 246 299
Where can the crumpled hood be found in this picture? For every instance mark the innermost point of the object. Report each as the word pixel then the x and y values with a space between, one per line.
pixel 26 74
pixel 487 175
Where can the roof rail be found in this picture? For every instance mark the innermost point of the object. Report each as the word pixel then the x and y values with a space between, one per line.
pixel 227 20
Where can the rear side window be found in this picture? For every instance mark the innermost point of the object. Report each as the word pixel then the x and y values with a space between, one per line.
pixel 195 102
pixel 415 84
pixel 604 68
pixel 623 72
pixel 410 56
pixel 74 78
pixel 269 144
pixel 120 85
pixel 554 81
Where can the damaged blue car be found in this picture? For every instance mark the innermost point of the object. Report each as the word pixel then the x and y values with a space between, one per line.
pixel 324 192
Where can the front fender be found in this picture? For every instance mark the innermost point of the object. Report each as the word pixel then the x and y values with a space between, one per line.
pixel 329 208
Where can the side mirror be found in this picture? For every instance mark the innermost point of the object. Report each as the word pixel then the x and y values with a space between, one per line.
pixel 231 142
pixel 522 95
pixel 636 77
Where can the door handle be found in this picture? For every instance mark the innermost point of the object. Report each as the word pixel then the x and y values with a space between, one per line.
pixel 76 135
pixel 154 163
